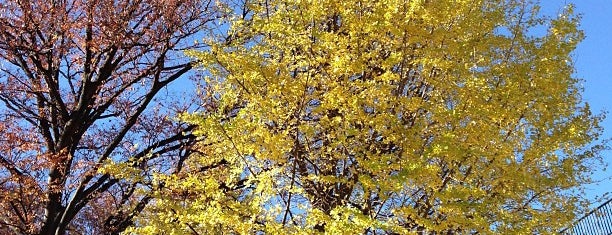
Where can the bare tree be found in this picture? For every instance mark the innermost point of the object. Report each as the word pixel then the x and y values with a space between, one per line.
pixel 83 83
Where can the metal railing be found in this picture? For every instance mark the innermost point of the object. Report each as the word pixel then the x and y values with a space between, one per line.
pixel 598 221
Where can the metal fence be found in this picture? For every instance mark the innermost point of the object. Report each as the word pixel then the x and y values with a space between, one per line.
pixel 598 221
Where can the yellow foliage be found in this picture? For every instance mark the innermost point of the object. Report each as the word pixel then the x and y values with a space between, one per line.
pixel 343 117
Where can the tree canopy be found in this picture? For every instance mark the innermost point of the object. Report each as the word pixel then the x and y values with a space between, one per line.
pixel 314 117
pixel 82 84
pixel 385 117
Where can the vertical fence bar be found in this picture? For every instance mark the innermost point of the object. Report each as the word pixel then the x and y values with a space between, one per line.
pixel 596 222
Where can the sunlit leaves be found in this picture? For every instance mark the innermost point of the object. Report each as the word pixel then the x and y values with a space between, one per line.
pixel 346 117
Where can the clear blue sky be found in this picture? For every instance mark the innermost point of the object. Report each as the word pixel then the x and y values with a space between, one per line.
pixel 593 59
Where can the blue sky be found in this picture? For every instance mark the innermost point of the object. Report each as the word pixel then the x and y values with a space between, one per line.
pixel 593 59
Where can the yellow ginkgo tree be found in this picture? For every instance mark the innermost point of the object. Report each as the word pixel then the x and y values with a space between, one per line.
pixel 385 117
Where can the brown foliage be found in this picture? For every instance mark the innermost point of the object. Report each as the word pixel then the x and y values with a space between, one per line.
pixel 83 82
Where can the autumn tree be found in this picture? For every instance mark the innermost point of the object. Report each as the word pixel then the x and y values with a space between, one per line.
pixel 385 117
pixel 84 85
